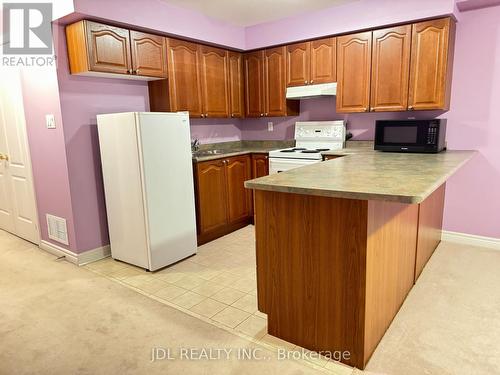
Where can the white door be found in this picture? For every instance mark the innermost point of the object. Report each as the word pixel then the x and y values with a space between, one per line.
pixel 17 197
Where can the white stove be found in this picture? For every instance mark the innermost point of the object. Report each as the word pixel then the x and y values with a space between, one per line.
pixel 311 138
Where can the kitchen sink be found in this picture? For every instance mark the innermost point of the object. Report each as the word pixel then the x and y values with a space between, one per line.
pixel 208 152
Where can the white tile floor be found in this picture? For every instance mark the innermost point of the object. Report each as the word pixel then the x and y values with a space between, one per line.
pixel 218 285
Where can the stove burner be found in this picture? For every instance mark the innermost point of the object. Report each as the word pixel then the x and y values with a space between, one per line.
pixel 310 152
pixel 293 149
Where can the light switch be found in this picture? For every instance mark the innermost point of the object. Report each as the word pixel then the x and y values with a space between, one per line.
pixel 270 126
pixel 50 120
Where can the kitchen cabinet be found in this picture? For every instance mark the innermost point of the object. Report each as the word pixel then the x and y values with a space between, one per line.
pixel 254 84
pixel 96 49
pixel 184 83
pixel 214 71
pixel 431 64
pixel 238 170
pixel 390 69
pixel 353 72
pixel 211 195
pixel 223 204
pixel 236 85
pixel 265 86
pixel 149 54
pixel 260 165
pixel 311 62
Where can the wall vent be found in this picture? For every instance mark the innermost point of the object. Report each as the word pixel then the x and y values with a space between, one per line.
pixel 58 231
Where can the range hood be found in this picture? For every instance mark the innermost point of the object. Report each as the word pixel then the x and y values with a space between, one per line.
pixel 311 91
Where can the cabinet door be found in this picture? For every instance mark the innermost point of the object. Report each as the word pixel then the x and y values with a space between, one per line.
pixel 353 70
pixel 238 170
pixel 430 69
pixel 260 165
pixel 109 48
pixel 184 79
pixel 236 83
pixel 390 69
pixel 211 195
pixel 214 70
pixel 275 87
pixel 149 57
pixel 254 84
pixel 323 61
pixel 297 64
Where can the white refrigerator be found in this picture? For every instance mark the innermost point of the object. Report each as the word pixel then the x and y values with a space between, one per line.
pixel 148 183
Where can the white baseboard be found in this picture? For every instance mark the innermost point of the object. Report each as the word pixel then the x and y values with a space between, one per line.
pixel 81 259
pixel 470 239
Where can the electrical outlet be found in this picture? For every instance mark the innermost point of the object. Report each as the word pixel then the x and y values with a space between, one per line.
pixel 270 126
pixel 50 120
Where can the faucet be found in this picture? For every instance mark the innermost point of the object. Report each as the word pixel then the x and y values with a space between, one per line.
pixel 195 145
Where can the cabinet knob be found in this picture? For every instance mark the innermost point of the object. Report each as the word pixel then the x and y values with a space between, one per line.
pixel 129 71
pixel 266 113
pixel 305 82
pixel 410 107
pixel 261 115
pixel 202 115
pixel 311 81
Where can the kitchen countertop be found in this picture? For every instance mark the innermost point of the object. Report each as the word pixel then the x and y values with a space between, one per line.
pixel 233 152
pixel 237 148
pixel 367 174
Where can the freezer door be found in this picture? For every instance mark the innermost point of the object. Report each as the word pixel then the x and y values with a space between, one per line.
pixel 165 143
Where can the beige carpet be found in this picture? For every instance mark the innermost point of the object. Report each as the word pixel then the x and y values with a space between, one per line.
pixel 56 318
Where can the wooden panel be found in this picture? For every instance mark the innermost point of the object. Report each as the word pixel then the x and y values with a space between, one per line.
pixel 211 195
pixel 214 70
pixel 260 165
pixel 77 47
pixel 254 84
pixel 390 261
pixel 323 58
pixel 236 85
pixel 238 170
pixel 108 48
pixel 430 225
pixel 390 69
pixel 159 96
pixel 275 87
pixel 354 71
pixel 311 269
pixel 298 64
pixel 183 77
pixel 431 64
pixel 149 57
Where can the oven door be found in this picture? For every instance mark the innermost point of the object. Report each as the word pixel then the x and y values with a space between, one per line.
pixel 277 165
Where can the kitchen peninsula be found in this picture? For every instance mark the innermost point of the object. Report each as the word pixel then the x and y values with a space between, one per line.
pixel 340 244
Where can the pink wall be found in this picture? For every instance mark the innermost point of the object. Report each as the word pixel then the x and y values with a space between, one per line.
pixel 473 194
pixel 160 16
pixel 347 17
pixel 47 148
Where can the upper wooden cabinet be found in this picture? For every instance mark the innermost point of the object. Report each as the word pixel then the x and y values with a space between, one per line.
pixel 95 49
pixel 149 54
pixel 298 64
pixel 390 69
pixel 323 61
pixel 265 84
pixel 214 68
pixel 311 62
pixel 354 54
pixel 254 84
pixel 184 79
pixel 236 85
pixel 431 64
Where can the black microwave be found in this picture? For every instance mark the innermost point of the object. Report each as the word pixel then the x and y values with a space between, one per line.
pixel 410 135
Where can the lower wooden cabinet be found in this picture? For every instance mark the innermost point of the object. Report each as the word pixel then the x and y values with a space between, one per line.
pixel 223 205
pixel 260 165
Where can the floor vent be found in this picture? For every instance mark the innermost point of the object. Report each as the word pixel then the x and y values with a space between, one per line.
pixel 57 228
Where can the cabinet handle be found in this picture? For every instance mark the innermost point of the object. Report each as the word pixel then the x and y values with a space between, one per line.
pixel 4 157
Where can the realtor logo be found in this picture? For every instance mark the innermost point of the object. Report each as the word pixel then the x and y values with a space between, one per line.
pixel 27 28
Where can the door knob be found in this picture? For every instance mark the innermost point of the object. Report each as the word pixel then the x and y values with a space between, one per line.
pixel 4 157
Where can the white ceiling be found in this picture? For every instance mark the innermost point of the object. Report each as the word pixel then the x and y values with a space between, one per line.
pixel 252 12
